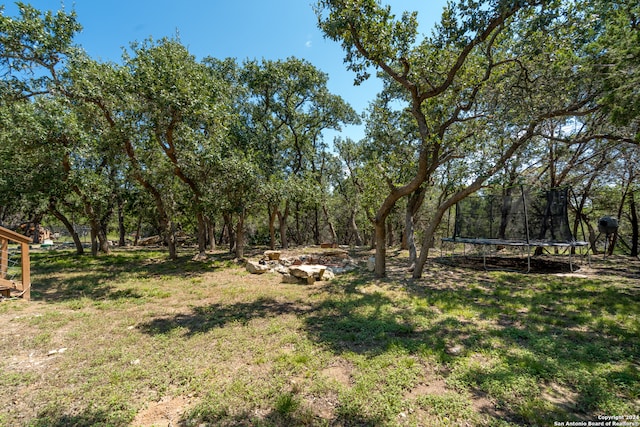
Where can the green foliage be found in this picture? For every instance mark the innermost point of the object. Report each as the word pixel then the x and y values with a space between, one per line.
pixel 31 41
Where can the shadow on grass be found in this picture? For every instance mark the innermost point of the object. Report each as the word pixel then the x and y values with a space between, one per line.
pixel 61 275
pixel 275 417
pixel 581 335
pixel 506 336
pixel 88 418
pixel 205 318
pixel 578 334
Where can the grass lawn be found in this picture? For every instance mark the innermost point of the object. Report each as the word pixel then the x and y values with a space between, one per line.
pixel 135 339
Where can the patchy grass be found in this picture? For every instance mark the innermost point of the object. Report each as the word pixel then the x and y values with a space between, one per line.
pixel 136 339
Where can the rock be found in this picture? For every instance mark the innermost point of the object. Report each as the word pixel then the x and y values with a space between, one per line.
pixel 257 268
pixel 200 257
pixel 336 253
pixel 272 255
pixel 310 273
pixel 328 275
pixel 371 263
pixel 147 241
pixel 279 268
pixel 455 350
pixel 304 271
pixel 287 278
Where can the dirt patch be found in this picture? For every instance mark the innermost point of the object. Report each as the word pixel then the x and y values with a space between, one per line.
pixel 432 386
pixel 561 397
pixel 165 413
pixel 340 373
pixel 485 406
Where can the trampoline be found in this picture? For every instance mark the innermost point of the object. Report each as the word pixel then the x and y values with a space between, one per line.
pixel 520 217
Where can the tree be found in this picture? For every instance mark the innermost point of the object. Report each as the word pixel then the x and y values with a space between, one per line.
pixel 184 105
pixel 614 57
pixel 290 106
pixel 439 78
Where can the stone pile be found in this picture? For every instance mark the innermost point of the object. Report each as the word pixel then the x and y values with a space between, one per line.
pixel 305 269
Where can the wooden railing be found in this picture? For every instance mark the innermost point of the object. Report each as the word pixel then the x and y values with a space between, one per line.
pixel 22 287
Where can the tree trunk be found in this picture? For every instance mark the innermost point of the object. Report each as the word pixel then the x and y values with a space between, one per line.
pixel 408 237
pixel 72 232
pixel 94 241
pixel 613 241
pixel 168 235
pixel 390 236
pixel 380 269
pixel 202 233
pixel 231 234
pixel 634 224
pixel 332 230
pixel 416 199
pixel 354 228
pixel 430 232
pixel 37 219
pixel 104 242
pixel 122 232
pixel 298 235
pixel 429 236
pixel 240 236
pixel 138 230
pixel 593 236
pixel 99 240
pixel 282 219
pixel 171 240
pixel 211 233
pixel 316 225
pixel 273 213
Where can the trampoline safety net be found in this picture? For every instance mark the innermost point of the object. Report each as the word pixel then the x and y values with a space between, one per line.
pixel 515 214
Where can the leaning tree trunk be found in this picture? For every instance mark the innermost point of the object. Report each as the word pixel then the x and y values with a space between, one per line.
pixel 354 228
pixel 72 232
pixel 429 236
pixel 413 206
pixel 332 229
pixel 430 232
pixel 168 234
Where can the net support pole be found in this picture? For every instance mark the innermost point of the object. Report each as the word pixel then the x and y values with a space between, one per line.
pixel 526 227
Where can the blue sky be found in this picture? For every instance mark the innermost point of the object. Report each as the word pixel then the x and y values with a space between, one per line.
pixel 249 29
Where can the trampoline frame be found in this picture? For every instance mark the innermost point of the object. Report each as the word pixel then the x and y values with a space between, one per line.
pixel 525 242
pixel 519 243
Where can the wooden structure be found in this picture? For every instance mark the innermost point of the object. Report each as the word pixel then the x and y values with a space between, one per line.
pixel 7 286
